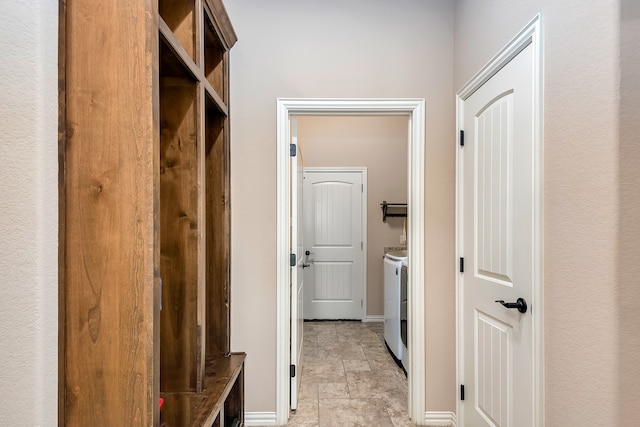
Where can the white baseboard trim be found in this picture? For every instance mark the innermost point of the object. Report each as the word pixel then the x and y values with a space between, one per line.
pixel 444 419
pixel 260 419
pixel 374 318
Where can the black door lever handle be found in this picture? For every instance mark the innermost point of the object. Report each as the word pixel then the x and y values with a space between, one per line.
pixel 520 304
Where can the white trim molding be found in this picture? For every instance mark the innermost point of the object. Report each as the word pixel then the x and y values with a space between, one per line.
pixel 259 419
pixel 414 109
pixel 374 318
pixel 531 34
pixel 445 419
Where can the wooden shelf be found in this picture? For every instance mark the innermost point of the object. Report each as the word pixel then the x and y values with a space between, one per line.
pixel 180 18
pixel 214 60
pixel 173 55
pixel 146 258
pixel 222 397
pixel 173 52
pixel 217 14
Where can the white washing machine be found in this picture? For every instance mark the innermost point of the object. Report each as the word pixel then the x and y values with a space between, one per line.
pixel 404 319
pixel 392 271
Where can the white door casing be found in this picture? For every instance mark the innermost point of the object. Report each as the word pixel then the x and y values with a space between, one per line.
pixel 335 219
pixel 499 235
pixel 415 110
pixel 297 271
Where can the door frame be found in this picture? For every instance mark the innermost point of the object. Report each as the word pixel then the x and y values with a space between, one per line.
pixel 531 34
pixel 415 110
pixel 363 224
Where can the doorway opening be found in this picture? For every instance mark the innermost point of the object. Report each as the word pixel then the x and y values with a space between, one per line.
pixel 413 109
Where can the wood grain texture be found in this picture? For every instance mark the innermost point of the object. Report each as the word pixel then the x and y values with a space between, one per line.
pixel 62 151
pixel 214 55
pixel 234 404
pixel 180 409
pixel 179 229
pixel 110 213
pixel 223 395
pixel 227 207
pixel 176 62
pixel 222 375
pixel 144 182
pixel 216 273
pixel 221 21
pixel 180 17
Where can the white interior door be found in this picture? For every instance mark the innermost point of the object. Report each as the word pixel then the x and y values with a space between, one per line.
pixel 498 237
pixel 297 274
pixel 333 216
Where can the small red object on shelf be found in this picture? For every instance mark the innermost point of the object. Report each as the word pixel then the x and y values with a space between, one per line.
pixel 161 403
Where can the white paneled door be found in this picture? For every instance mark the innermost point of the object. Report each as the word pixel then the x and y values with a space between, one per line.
pixel 497 216
pixel 297 270
pixel 333 217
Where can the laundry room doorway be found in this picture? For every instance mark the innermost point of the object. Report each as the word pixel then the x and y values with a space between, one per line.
pixel 413 112
pixel 352 165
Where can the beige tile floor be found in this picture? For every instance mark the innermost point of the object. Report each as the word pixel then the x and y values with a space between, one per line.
pixel 349 378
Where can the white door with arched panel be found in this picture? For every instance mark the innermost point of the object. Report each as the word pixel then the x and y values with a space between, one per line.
pixel 333 216
pixel 499 234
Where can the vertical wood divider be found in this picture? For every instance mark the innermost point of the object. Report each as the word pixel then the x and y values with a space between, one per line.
pixel 227 203
pixel 62 149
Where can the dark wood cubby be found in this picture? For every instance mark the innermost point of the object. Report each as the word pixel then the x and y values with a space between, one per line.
pixel 145 300
pixel 179 236
pixel 214 60
pixel 180 17
pixel 218 230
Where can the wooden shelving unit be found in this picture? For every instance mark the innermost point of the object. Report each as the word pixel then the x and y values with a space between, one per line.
pixel 145 269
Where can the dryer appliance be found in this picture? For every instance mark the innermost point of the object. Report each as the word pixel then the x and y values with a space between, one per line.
pixel 392 271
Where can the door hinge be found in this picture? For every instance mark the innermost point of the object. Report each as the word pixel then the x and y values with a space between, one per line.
pixel 361 304
pixel 292 370
pixel 362 188
pixel 462 138
pixel 361 245
pixel 292 150
pixel 461 265
pixel 461 391
pixel 292 260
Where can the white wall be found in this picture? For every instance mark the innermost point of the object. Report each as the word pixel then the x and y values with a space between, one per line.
pixel 335 49
pixel 29 213
pixel 583 340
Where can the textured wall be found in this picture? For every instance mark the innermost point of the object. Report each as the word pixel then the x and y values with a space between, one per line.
pixel 380 144
pixel 29 213
pixel 581 166
pixel 629 225
pixel 336 49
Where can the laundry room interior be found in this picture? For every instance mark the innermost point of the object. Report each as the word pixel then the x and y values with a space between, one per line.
pixel 378 143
